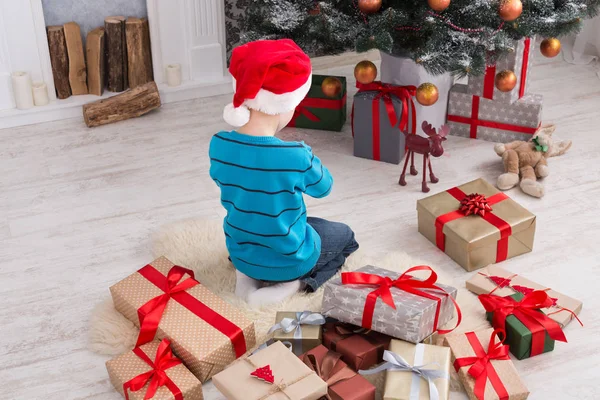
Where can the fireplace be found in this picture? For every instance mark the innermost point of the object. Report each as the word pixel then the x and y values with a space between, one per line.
pixel 190 33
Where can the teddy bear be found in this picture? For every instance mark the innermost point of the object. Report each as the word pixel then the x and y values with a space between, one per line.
pixel 529 160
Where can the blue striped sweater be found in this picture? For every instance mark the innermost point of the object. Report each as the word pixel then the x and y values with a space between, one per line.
pixel 262 181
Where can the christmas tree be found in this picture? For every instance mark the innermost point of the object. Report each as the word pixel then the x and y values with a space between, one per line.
pixel 457 36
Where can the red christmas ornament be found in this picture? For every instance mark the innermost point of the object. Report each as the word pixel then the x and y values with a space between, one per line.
pixel 475 204
pixel 264 374
pixel 522 289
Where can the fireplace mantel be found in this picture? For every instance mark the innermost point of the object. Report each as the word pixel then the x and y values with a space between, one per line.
pixel 186 32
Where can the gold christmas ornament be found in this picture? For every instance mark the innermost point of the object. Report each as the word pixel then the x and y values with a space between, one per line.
pixel 427 94
pixel 510 9
pixel 369 6
pixel 550 47
pixel 365 72
pixel 506 80
pixel 331 87
pixel 438 5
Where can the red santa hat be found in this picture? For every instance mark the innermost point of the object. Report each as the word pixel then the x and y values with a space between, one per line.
pixel 271 76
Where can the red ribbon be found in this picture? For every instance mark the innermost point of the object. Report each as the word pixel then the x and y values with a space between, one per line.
pixel 474 122
pixel 157 375
pixel 404 282
pixel 527 311
pixel 503 226
pixel 309 102
pixel 151 313
pixel 481 365
pixel 524 66
pixel 385 92
pixel 489 81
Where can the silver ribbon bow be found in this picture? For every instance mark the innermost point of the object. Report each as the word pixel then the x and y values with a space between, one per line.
pixel 395 362
pixel 295 324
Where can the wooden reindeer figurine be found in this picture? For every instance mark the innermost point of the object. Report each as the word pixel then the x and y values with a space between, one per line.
pixel 426 146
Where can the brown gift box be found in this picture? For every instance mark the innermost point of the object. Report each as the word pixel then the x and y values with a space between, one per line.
pixel 293 379
pixel 127 366
pixel 203 349
pixel 336 376
pixel 471 241
pixel 360 348
pixel 460 347
pixel 310 334
pixel 480 283
pixel 399 385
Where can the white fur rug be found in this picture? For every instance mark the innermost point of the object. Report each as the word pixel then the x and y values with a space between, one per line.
pixel 200 246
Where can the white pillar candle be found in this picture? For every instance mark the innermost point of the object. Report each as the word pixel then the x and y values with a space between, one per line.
pixel 40 94
pixel 174 74
pixel 21 83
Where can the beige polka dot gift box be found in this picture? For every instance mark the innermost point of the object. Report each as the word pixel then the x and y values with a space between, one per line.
pixel 152 371
pixel 165 301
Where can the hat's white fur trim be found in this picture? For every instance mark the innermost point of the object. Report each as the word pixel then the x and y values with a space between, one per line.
pixel 268 103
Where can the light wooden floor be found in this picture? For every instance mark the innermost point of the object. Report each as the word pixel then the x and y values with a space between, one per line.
pixel 77 207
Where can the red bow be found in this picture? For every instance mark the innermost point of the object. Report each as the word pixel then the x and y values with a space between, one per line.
pixel 481 366
pixel 157 375
pixel 476 204
pixel 404 282
pixel 527 311
pixel 151 313
pixel 385 91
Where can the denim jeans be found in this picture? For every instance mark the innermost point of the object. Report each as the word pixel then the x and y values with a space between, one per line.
pixel 337 243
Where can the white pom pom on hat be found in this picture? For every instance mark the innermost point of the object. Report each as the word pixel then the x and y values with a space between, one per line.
pixel 271 76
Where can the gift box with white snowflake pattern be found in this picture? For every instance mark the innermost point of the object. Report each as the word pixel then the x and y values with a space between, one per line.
pixel 478 118
pixel 412 320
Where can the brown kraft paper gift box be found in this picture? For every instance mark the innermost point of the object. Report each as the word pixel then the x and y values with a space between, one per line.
pixel 399 385
pixel 344 384
pixel 461 347
pixel 126 367
pixel 293 380
pixel 482 283
pixel 360 348
pixel 472 241
pixel 204 349
pixel 310 336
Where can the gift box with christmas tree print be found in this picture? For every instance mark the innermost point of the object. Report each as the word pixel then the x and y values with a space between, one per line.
pixel 320 111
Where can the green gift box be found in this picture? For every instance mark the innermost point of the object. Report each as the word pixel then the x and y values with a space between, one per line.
pixel 318 111
pixel 519 337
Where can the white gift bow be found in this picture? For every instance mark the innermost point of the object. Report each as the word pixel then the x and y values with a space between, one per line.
pixel 395 362
pixel 288 325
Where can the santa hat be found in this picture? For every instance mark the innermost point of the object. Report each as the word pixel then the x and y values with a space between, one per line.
pixel 271 76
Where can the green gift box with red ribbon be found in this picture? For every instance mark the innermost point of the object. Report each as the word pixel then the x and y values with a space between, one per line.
pixel 318 111
pixel 529 332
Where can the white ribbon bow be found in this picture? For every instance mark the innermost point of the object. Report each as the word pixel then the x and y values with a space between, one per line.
pixel 395 362
pixel 288 325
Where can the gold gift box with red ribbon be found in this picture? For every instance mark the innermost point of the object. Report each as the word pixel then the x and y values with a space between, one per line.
pixel 165 300
pixel 476 225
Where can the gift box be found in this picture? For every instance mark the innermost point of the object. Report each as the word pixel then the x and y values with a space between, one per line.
pixel 378 121
pixel 274 373
pixel 496 280
pixel 301 329
pixel 475 117
pixel 415 372
pixel 519 61
pixel 343 383
pixel 138 374
pixel 391 303
pixel 484 366
pixel 318 111
pixel 360 348
pixel 166 301
pixel 476 237
pixel 529 332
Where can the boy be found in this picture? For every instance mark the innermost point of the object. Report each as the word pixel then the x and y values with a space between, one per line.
pixel 276 249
